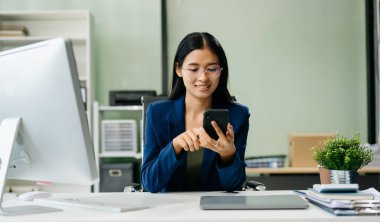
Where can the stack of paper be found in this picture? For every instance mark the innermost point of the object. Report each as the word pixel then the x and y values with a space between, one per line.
pixel 345 203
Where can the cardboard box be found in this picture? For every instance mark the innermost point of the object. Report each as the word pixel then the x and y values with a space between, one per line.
pixel 300 145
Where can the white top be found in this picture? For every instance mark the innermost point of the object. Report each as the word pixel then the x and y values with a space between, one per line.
pixel 180 207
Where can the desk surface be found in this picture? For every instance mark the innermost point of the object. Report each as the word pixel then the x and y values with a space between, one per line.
pixel 300 170
pixel 181 207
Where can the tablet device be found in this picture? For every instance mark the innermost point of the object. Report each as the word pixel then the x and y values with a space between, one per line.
pixel 257 202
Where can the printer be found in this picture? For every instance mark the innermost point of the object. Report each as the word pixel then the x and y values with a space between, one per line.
pixel 128 97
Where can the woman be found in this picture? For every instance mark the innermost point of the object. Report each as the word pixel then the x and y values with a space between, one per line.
pixel 179 155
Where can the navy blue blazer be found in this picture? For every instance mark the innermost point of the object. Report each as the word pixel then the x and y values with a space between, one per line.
pixel 163 171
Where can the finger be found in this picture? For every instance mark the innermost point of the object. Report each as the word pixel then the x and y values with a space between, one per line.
pixel 183 144
pixel 195 140
pixel 230 131
pixel 217 129
pixel 204 137
pixel 189 142
pixel 197 131
pixel 213 145
pixel 201 135
pixel 185 141
pixel 201 132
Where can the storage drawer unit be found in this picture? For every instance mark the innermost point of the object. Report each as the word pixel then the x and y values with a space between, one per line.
pixel 115 176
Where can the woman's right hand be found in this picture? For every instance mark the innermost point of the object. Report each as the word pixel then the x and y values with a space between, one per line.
pixel 187 141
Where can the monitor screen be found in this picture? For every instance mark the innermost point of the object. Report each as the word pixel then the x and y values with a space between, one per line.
pixel 39 84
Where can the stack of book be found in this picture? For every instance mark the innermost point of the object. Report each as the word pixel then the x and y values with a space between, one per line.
pixel 13 30
pixel 343 199
pixel 275 161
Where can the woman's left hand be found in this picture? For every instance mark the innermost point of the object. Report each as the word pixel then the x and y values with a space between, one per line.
pixel 224 146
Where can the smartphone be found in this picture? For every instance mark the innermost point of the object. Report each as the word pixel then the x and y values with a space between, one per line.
pixel 220 116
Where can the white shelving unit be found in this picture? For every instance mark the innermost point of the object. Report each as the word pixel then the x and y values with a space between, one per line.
pixel 44 25
pixel 97 112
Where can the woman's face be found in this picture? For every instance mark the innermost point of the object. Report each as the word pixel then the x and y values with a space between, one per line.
pixel 198 72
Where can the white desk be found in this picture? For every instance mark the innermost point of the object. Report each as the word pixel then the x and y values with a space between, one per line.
pixel 181 207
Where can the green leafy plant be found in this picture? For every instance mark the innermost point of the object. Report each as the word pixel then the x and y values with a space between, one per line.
pixel 342 153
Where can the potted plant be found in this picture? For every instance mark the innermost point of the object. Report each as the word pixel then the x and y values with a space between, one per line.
pixel 341 157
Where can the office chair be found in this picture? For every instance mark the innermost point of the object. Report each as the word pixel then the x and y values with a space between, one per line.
pixel 145 101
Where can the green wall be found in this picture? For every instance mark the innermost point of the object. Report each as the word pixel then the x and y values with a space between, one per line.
pixel 127 37
pixel 300 66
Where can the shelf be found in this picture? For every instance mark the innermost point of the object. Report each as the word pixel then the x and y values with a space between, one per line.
pixel 120 154
pixel 98 111
pixel 82 79
pixel 24 40
pixel 44 15
pixel 121 108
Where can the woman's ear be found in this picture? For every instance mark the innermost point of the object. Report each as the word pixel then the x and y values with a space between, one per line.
pixel 178 70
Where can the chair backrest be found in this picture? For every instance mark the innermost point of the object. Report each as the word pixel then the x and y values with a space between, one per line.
pixel 145 101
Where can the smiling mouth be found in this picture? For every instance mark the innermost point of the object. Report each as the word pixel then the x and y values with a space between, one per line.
pixel 203 87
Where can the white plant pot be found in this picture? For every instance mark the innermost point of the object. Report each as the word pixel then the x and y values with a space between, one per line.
pixel 343 176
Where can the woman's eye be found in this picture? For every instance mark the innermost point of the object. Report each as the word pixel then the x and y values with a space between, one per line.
pixel 212 69
pixel 193 70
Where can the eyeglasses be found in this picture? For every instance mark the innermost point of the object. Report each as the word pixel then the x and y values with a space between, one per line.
pixel 211 71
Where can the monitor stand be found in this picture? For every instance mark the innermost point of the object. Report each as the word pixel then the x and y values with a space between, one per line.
pixel 8 132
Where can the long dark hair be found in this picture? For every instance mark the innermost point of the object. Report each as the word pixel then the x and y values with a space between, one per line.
pixel 191 42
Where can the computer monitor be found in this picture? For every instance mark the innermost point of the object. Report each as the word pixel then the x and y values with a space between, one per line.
pixel 44 131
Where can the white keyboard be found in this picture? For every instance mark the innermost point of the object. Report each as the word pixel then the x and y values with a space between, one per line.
pixel 95 203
